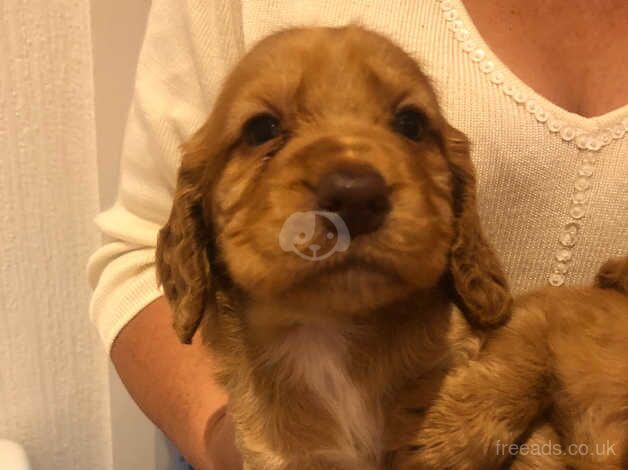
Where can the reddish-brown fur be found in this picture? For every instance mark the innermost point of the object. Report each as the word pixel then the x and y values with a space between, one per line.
pixel 361 361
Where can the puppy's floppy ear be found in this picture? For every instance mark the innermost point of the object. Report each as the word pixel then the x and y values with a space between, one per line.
pixel 479 284
pixel 183 267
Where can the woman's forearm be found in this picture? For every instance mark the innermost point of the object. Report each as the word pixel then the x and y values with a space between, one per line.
pixel 172 383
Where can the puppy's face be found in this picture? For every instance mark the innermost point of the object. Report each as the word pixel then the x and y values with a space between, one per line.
pixel 324 175
pixel 336 121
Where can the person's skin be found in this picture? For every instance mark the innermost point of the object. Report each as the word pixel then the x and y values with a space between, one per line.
pixel 570 51
pixel 172 383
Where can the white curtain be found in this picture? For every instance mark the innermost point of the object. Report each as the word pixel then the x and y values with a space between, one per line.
pixel 54 391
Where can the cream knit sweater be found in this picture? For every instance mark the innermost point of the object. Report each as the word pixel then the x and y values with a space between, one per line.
pixel 553 186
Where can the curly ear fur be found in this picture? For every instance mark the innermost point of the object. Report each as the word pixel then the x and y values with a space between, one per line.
pixel 614 275
pixel 480 287
pixel 183 267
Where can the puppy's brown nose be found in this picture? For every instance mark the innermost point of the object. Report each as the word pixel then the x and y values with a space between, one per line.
pixel 358 195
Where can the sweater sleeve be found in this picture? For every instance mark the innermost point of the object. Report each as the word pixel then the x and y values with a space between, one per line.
pixel 188 48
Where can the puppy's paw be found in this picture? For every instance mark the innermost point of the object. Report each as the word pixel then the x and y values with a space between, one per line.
pixel 421 457
pixel 448 436
pixel 322 463
pixel 439 442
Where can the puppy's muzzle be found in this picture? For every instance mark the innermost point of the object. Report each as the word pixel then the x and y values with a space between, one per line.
pixel 358 194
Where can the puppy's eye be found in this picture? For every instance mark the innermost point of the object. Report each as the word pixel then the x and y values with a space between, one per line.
pixel 410 123
pixel 260 129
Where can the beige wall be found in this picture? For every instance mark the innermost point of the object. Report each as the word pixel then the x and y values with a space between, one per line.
pixel 54 394
pixel 117 32
pixel 66 79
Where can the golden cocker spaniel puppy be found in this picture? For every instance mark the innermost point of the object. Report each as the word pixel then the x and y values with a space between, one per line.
pixel 323 228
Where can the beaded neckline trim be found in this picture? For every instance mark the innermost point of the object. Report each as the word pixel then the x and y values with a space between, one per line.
pixel 570 231
pixel 479 54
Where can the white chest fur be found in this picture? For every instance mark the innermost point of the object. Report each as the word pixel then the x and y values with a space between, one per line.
pixel 317 356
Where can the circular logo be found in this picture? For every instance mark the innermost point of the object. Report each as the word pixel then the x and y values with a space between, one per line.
pixel 299 229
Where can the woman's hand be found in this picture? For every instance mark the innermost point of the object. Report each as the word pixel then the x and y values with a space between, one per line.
pixel 173 384
pixel 220 438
